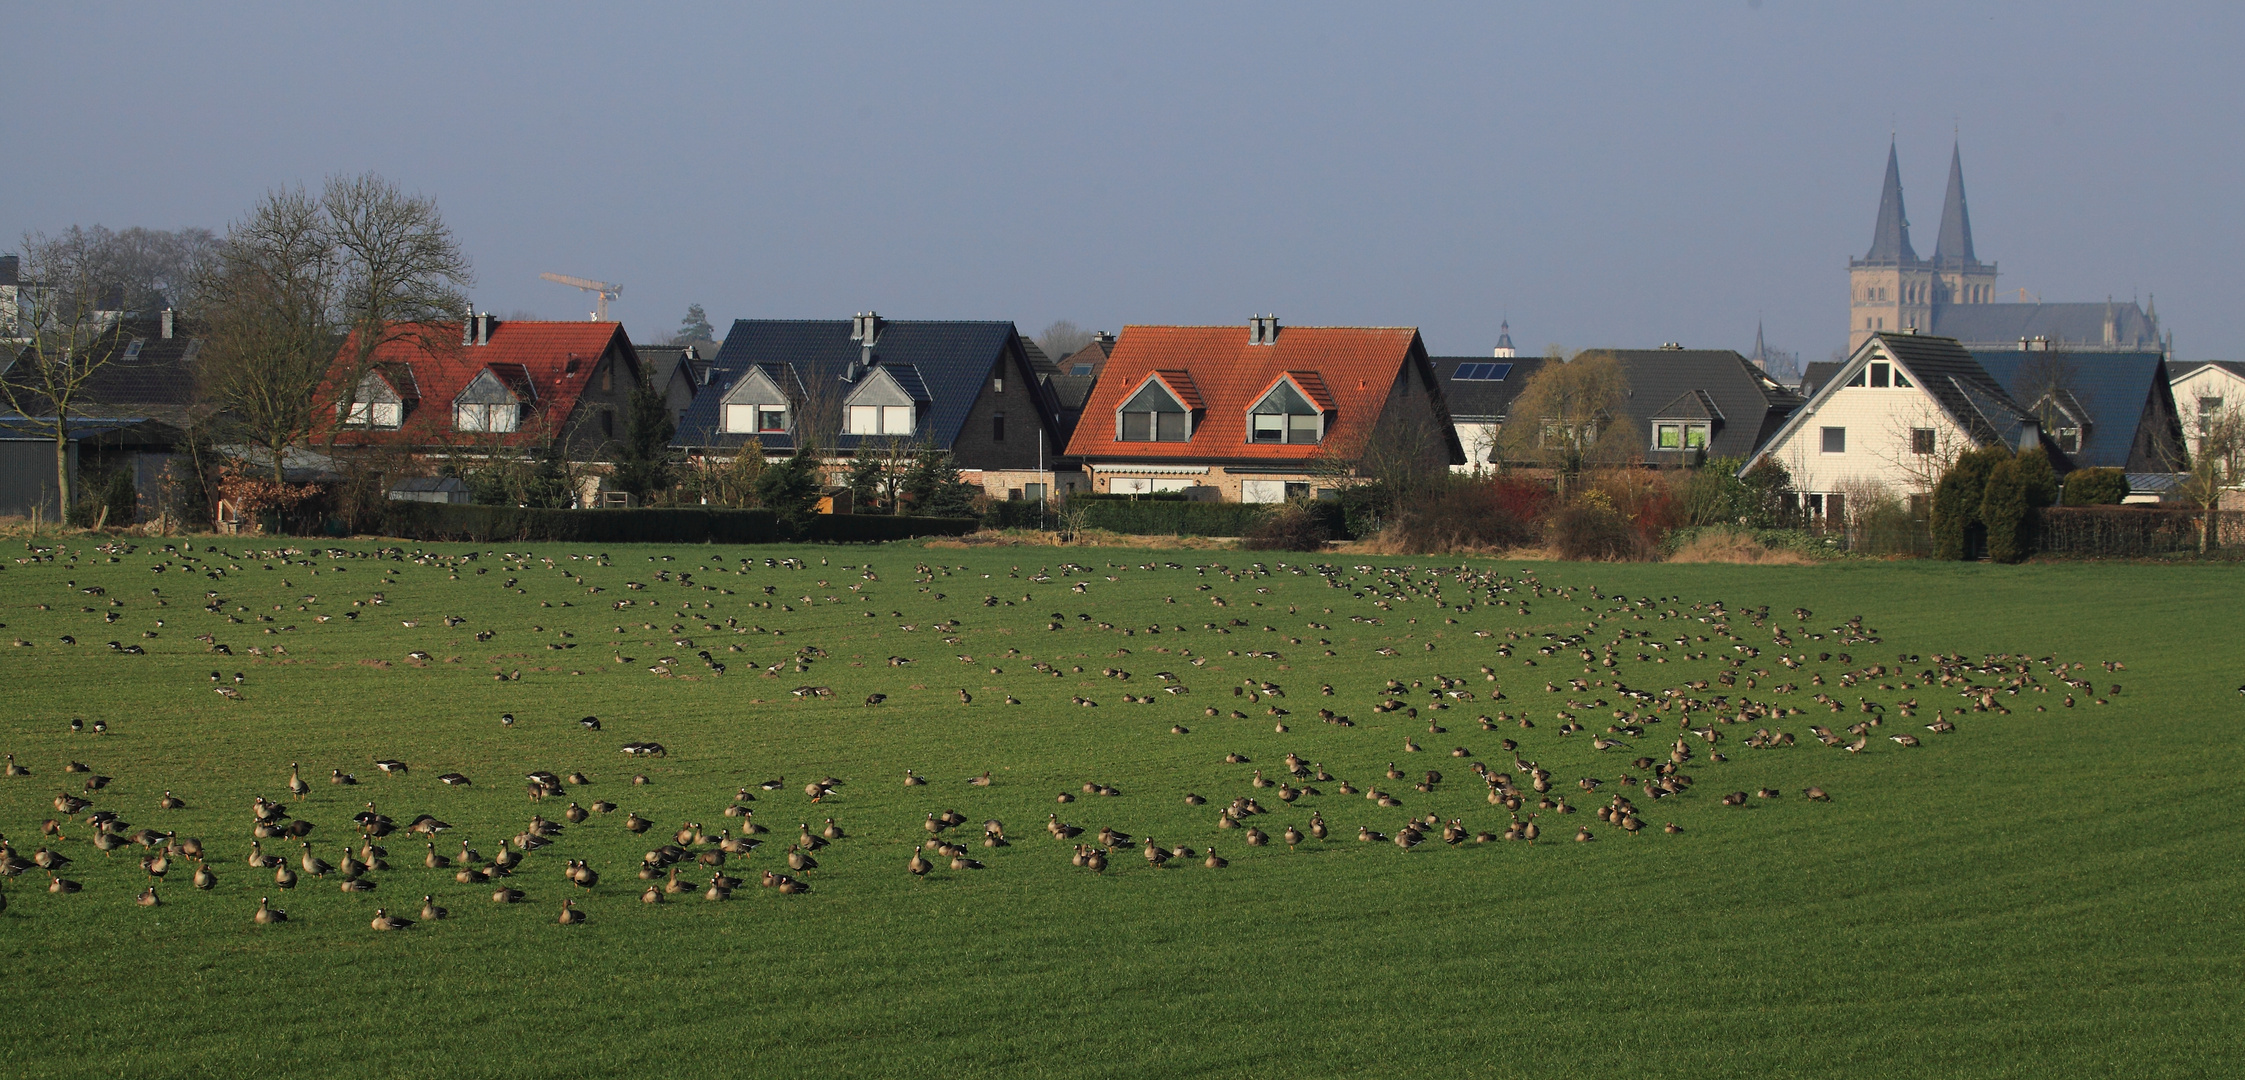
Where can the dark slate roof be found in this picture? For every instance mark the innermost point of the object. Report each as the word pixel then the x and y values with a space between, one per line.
pixel 2180 371
pixel 1957 382
pixel 951 361
pixel 1813 375
pixel 1890 238
pixel 1954 248
pixel 156 379
pixel 2116 393
pixel 1714 384
pixel 1483 399
pixel 1992 327
pixel 1038 361
pixel 1072 390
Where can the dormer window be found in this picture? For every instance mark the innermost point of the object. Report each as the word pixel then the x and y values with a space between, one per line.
pixel 489 404
pixel 1880 375
pixel 1153 414
pixel 880 420
pixel 485 416
pixel 376 404
pixel 1285 416
pixel 1681 435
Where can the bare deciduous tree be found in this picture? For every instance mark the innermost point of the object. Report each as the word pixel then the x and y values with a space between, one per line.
pixel 71 336
pixel 2218 466
pixel 1569 416
pixel 1062 338
pixel 362 266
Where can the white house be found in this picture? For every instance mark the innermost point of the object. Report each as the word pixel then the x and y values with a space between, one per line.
pixel 1895 415
pixel 2205 389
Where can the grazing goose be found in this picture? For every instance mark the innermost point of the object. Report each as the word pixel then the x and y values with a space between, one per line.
pixel 391 766
pixel 383 920
pixel 267 914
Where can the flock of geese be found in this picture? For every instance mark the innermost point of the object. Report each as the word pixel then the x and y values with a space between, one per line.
pixel 1697 721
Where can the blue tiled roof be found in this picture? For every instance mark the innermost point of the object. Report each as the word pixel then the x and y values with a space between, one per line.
pixel 2113 388
pixel 949 359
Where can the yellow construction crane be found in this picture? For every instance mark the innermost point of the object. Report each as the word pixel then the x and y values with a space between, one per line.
pixel 604 290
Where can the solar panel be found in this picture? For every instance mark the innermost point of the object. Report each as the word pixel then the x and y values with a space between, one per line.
pixel 1482 372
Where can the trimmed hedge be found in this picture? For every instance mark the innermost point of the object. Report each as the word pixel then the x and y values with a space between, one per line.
pixel 1163 517
pixel 667 525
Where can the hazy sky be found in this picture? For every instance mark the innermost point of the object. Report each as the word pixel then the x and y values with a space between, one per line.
pixel 1603 174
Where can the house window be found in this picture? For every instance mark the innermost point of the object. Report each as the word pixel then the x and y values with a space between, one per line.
pixel 1284 416
pixel 880 420
pixel 997 427
pixel 2068 439
pixel 997 384
pixel 1921 440
pixel 372 414
pixel 607 376
pixel 469 416
pixel 1033 492
pixel 1835 440
pixel 1144 485
pixel 1680 435
pixel 1881 374
pixel 1262 491
pixel 608 423
pixel 2208 408
pixel 771 418
pixel 1153 415
pixel 1079 369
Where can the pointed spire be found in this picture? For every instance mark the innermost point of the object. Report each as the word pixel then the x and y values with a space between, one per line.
pixel 1955 243
pixel 1504 339
pixel 1890 241
pixel 1761 353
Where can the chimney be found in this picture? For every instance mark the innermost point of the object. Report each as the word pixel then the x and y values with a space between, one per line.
pixel 483 329
pixel 468 326
pixel 1262 330
pixel 166 332
pixel 865 329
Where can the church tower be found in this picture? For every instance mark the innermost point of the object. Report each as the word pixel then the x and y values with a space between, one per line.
pixel 1961 277
pixel 1890 287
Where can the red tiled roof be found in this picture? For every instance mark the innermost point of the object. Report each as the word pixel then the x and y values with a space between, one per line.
pixel 547 364
pixel 1346 370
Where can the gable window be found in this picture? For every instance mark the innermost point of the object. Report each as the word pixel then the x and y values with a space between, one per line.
pixel 1680 434
pixel 997 427
pixel 1284 416
pixel 608 423
pixel 1153 415
pixel 997 384
pixel 881 420
pixel 1835 440
pixel 1882 374
pixel 1921 440
pixel 607 376
pixel 474 416
pixel 372 414
pixel 771 418
pixel 2068 439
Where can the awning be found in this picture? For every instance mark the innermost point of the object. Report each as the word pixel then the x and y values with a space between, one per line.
pixel 1154 470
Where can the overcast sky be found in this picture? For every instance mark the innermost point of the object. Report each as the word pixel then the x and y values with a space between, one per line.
pixel 1601 174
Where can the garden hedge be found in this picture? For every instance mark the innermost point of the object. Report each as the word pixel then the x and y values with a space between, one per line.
pixel 670 525
pixel 1163 517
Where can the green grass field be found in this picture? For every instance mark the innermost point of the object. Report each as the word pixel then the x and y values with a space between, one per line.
pixel 2038 894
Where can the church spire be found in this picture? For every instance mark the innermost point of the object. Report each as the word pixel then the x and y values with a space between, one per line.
pixel 1955 243
pixel 1761 352
pixel 1504 339
pixel 1890 241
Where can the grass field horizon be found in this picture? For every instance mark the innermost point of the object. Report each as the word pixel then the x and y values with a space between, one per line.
pixel 2033 894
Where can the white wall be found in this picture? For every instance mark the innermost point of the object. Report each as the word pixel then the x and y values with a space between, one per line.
pixel 1878 422
pixel 2205 382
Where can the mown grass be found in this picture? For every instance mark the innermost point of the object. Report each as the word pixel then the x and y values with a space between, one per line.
pixel 2037 894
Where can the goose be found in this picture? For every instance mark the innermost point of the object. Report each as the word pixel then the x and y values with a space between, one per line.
pixel 920 866
pixel 45 859
pixel 717 892
pixel 383 920
pixel 468 856
pixel 430 912
pixel 355 885
pixel 798 860
pixel 435 861
pixel 14 769
pixel 961 862
pixel 570 916
pixel 313 864
pixel 285 878
pixel 296 785
pixel 148 898
pixel 603 807
pixel 1317 826
pixel 391 766
pixel 576 813
pixel 171 802
pixel 653 895
pixel 1194 800
pixel 453 779
pixel 634 823
pixel 505 895
pixel 913 779
pixel 1293 836
pixel 267 914
pixel 338 776
pixel 832 831
pixel 1215 861
pixel 675 886
pixel 61 884
pixel 204 879
pixel 351 868
pixel 981 781
pixel 1096 862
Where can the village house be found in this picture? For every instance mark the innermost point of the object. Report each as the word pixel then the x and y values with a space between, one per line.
pixel 488 385
pixel 1248 413
pixel 874 385
pixel 1894 416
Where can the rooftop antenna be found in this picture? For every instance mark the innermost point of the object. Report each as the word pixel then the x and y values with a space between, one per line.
pixel 604 290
